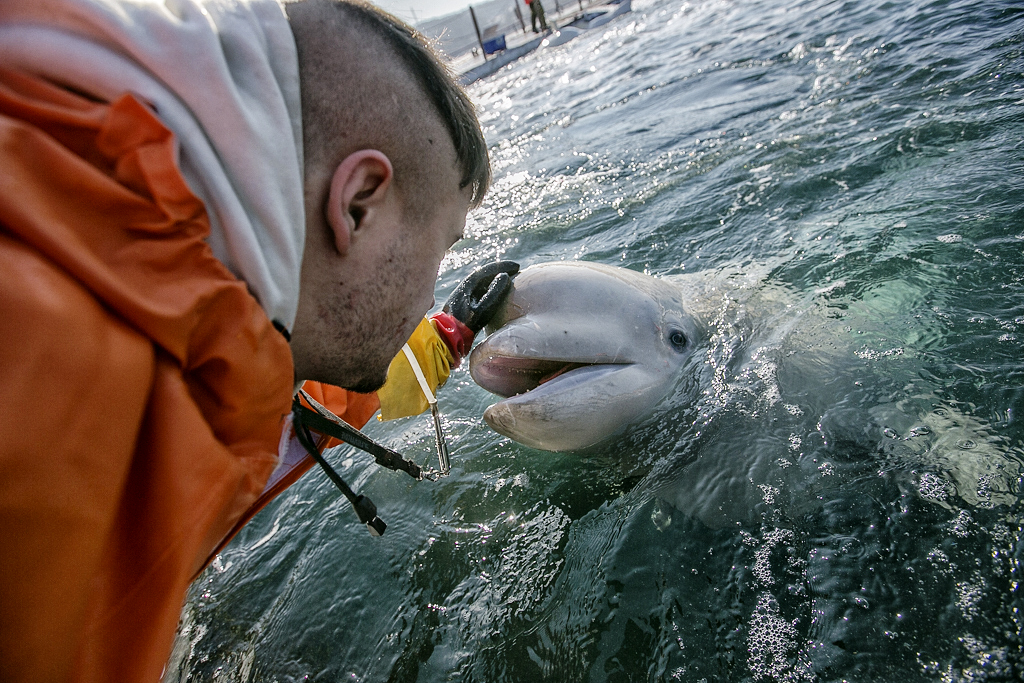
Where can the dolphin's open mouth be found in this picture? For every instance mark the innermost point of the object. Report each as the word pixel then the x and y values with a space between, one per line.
pixel 507 376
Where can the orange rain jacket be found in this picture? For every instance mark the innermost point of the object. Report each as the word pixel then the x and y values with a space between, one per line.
pixel 143 388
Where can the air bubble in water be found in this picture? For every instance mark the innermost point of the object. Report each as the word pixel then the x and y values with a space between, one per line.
pixel 968 595
pixel 932 486
pixel 770 641
pixel 962 524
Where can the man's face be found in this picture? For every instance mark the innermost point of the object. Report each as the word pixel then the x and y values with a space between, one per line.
pixel 401 291
pixel 408 273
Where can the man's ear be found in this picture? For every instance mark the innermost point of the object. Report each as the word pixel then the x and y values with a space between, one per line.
pixel 358 187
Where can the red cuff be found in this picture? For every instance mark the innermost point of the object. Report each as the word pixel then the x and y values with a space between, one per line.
pixel 455 335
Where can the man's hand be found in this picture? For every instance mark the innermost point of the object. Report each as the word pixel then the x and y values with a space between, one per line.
pixel 477 298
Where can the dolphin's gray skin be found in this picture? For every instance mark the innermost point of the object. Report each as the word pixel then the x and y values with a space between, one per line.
pixel 581 349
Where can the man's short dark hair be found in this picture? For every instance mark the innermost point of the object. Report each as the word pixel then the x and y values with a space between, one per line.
pixel 451 102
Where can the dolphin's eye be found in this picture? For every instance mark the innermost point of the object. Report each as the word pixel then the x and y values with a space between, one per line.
pixel 677 339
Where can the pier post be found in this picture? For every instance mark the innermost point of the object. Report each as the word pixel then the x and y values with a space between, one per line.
pixel 479 38
pixel 515 3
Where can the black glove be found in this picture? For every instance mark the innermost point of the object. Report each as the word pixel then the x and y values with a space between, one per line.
pixel 477 298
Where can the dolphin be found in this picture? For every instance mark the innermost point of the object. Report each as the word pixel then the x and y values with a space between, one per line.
pixel 579 350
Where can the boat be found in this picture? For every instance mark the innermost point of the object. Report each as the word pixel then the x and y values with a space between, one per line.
pixel 590 19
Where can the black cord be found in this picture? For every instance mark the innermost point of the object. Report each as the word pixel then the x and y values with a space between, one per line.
pixel 364 507
pixel 326 422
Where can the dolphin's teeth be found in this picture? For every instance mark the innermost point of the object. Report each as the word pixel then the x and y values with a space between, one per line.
pixel 511 376
pixel 561 371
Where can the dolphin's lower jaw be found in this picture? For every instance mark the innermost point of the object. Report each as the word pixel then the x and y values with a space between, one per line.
pixel 574 409
pixel 531 425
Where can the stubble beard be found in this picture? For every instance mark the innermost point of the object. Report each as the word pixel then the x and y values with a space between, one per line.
pixel 371 332
pixel 368 385
pixel 363 364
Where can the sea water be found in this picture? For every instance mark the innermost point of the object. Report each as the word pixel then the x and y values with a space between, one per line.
pixel 833 494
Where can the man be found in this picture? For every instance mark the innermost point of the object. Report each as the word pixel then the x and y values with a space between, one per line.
pixel 186 187
pixel 537 13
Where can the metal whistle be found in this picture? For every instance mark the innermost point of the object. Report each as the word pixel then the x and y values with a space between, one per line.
pixel 442 445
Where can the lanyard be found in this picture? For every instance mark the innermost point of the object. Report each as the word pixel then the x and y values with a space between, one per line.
pixel 324 421
pixel 443 459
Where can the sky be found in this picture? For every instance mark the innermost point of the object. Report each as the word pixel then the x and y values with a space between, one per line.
pixel 418 10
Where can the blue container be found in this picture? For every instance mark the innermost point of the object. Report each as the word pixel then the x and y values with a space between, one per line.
pixel 494 44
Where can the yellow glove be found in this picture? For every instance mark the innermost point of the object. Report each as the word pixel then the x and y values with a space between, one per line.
pixel 440 342
pixel 401 395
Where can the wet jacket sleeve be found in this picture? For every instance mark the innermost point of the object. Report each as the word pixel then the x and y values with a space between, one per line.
pixel 143 389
